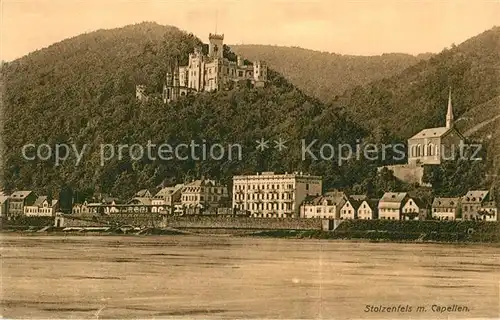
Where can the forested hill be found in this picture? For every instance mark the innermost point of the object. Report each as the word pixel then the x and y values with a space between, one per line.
pixel 82 91
pixel 417 97
pixel 326 75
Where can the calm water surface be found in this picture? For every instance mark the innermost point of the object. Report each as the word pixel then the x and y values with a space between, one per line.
pixel 230 277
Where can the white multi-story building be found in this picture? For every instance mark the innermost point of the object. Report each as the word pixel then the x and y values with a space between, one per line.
pixel 42 207
pixel 204 194
pixel 274 195
pixel 391 205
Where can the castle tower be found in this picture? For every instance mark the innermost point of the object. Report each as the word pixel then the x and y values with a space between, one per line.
pixel 171 87
pixel 259 71
pixel 175 91
pixel 449 114
pixel 216 45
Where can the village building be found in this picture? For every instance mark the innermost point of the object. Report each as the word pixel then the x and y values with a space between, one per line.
pixel 488 211
pixel 368 209
pixel 349 210
pixel 112 206
pixel 203 194
pixel 211 72
pixel 414 209
pixel 139 204
pixel 166 198
pixel 144 193
pixel 18 200
pixel 391 205
pixel 274 195
pixel 42 207
pixel 326 206
pixel 472 203
pixel 81 208
pixel 445 208
pixel 4 205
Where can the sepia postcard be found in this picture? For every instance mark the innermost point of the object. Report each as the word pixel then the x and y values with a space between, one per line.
pixel 263 159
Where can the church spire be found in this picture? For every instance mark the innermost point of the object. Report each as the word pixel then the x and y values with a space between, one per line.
pixel 449 114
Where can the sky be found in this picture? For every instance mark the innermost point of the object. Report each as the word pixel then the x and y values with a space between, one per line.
pixel 369 27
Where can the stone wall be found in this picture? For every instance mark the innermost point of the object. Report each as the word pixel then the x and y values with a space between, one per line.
pixel 180 222
pixel 136 220
pixel 408 173
pixel 243 223
pixel 65 221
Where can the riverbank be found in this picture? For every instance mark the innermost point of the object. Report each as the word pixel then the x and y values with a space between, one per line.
pixel 356 230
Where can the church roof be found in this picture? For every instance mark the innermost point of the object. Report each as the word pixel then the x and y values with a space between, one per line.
pixel 431 133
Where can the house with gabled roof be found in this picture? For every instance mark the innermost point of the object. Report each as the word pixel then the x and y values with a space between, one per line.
pixel 414 209
pixel 368 209
pixel 42 207
pixel 391 205
pixel 349 211
pixel 472 202
pixel 18 200
pixel 326 206
pixel 445 208
pixel 144 193
pixel 164 200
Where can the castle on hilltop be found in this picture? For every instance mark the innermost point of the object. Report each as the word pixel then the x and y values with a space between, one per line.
pixel 211 72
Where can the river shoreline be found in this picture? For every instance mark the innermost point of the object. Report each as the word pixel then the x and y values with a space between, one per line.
pixel 330 236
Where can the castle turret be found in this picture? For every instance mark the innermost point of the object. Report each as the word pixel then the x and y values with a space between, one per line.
pixel 216 45
pixel 171 87
pixel 175 91
pixel 240 61
pixel 259 71
pixel 449 113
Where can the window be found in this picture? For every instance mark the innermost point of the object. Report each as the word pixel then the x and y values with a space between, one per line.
pixel 430 149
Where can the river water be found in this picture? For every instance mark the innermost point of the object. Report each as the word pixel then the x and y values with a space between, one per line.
pixel 231 277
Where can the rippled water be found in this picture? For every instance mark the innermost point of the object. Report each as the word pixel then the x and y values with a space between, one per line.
pixel 230 277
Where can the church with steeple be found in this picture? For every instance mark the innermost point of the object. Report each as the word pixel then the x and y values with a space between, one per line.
pixel 434 145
